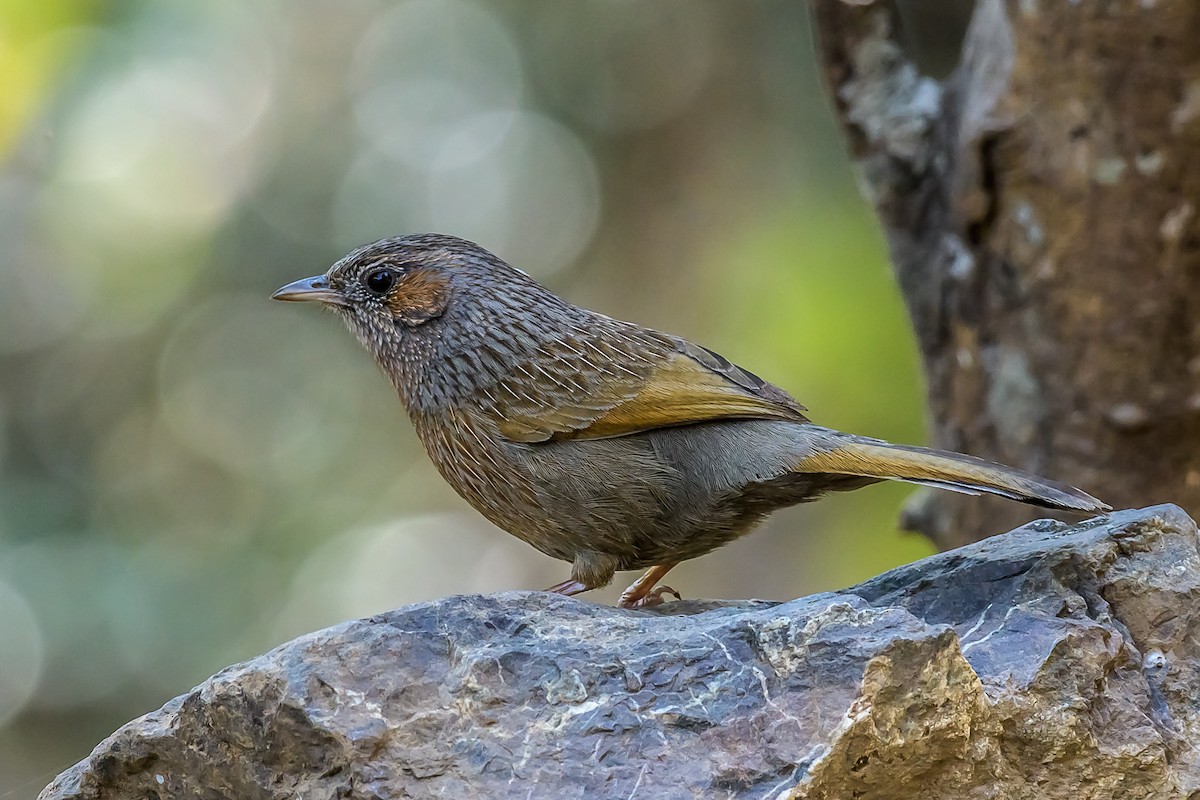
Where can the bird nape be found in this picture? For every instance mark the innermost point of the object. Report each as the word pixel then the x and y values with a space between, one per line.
pixel 597 441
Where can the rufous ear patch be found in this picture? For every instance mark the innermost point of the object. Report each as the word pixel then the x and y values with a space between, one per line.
pixel 419 296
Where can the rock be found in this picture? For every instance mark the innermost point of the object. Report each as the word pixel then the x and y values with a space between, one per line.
pixel 1052 662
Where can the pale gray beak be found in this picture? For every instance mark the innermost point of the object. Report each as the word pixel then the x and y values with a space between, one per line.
pixel 314 289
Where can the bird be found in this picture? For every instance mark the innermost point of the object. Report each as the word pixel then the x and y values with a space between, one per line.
pixel 603 443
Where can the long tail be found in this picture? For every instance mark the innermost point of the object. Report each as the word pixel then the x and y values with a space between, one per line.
pixel 874 458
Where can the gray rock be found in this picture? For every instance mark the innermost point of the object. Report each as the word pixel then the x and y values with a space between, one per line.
pixel 1052 662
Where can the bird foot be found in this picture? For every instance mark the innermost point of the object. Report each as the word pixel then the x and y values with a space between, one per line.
pixel 654 597
pixel 568 587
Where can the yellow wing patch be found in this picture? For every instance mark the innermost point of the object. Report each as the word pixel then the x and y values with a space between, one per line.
pixel 676 391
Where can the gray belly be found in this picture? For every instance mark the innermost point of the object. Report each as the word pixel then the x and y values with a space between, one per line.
pixel 667 495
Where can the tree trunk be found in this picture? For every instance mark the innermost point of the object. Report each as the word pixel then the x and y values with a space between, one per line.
pixel 1040 209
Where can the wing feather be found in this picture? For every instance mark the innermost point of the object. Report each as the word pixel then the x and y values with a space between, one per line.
pixel 668 382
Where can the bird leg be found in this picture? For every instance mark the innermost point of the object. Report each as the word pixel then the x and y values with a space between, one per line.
pixel 568 587
pixel 643 593
pixel 590 570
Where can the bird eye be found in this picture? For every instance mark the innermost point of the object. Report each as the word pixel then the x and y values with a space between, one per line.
pixel 380 281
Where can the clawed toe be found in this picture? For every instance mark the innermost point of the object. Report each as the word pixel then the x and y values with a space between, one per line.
pixel 654 597
pixel 568 587
pixel 640 595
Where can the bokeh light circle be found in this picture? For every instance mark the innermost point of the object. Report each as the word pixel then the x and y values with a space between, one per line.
pixel 21 652
pixel 292 407
pixel 639 65
pixel 534 198
pixel 425 66
pixel 517 183
pixel 374 568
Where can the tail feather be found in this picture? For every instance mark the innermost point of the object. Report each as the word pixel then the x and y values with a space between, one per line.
pixel 945 470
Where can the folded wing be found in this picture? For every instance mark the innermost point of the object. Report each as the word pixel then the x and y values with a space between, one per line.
pixel 616 386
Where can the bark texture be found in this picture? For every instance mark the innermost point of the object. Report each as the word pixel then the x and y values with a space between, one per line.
pixel 1040 208
pixel 1055 662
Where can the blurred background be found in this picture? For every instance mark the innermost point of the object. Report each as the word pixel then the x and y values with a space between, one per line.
pixel 190 474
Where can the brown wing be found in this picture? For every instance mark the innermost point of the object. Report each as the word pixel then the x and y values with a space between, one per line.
pixel 597 388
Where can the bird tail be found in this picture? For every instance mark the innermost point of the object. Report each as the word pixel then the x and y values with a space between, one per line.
pixel 944 470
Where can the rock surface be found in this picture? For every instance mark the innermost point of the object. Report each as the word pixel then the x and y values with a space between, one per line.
pixel 1052 662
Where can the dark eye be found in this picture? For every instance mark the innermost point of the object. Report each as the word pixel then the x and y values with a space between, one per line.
pixel 380 281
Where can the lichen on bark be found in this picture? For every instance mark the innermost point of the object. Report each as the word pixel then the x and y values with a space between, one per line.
pixel 1039 206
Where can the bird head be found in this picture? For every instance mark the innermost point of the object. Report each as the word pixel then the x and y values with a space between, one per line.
pixel 405 282
pixel 416 300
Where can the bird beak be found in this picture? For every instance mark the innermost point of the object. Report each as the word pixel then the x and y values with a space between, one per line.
pixel 315 289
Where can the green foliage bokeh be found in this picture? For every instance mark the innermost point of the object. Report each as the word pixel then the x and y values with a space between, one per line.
pixel 190 474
